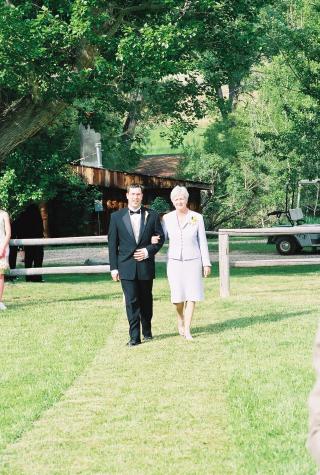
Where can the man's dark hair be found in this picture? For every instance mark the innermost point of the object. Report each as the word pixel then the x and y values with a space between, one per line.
pixel 134 185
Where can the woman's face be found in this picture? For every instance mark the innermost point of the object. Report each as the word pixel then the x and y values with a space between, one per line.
pixel 180 202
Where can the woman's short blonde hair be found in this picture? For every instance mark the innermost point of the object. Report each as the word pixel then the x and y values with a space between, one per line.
pixel 179 191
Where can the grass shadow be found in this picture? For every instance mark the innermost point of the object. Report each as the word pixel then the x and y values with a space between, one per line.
pixel 236 323
pixel 67 279
pixel 15 303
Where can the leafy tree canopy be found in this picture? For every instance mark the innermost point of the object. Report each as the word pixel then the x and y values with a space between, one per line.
pixel 39 169
pixel 293 40
pixel 124 59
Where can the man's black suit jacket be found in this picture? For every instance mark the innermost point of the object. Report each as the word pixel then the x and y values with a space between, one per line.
pixel 122 244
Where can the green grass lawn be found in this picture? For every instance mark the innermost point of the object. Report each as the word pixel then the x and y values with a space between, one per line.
pixel 160 145
pixel 244 246
pixel 75 400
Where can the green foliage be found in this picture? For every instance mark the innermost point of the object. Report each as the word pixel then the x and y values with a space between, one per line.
pixel 124 68
pixel 295 70
pixel 35 49
pixel 137 60
pixel 160 205
pixel 39 170
pixel 243 182
pixel 270 135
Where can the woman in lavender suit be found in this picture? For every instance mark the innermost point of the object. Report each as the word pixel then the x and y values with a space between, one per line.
pixel 188 258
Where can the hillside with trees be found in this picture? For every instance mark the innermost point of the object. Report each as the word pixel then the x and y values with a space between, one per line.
pixel 269 137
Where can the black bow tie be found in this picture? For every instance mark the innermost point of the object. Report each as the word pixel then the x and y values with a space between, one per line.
pixel 135 212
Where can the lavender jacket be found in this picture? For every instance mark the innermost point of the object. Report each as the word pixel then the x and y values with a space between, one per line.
pixel 189 241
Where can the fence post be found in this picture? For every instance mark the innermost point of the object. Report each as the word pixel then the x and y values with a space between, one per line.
pixel 224 267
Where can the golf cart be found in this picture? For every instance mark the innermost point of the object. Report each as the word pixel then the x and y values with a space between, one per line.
pixel 293 244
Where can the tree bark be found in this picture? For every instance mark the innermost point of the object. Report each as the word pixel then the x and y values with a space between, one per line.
pixel 227 104
pixel 234 90
pixel 129 127
pixel 24 119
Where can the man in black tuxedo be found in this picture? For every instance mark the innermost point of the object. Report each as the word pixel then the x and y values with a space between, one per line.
pixel 131 257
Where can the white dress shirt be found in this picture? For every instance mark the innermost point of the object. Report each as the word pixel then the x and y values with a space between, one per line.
pixel 135 223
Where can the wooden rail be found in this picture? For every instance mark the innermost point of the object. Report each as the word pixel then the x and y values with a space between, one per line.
pixel 224 259
pixel 61 270
pixel 95 269
pixel 59 241
pixel 276 262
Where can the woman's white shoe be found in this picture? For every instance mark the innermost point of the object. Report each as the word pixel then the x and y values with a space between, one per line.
pixel 2 306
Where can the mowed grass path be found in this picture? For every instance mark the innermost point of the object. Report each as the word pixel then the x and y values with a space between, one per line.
pixel 76 400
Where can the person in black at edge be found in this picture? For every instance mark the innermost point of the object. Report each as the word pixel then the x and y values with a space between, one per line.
pixel 13 250
pixel 31 226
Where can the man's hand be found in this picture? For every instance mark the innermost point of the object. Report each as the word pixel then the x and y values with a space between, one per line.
pixel 206 271
pixel 155 239
pixel 115 276
pixel 140 254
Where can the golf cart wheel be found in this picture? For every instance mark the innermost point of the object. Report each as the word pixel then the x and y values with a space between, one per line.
pixel 287 245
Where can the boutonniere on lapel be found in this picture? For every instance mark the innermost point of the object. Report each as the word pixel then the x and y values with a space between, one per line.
pixel 193 220
pixel 146 214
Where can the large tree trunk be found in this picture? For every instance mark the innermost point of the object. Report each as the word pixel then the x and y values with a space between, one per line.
pixel 227 98
pixel 24 119
pixel 234 90
pixel 129 127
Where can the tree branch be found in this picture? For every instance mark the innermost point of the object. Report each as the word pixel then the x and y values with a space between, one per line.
pixel 23 119
pixel 185 8
pixel 141 7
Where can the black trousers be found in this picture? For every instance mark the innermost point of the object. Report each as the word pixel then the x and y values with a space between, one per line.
pixel 33 257
pixel 13 252
pixel 139 306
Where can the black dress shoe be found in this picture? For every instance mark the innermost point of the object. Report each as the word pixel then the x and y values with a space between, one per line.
pixel 133 343
pixel 148 337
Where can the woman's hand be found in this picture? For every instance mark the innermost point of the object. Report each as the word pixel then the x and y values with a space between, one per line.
pixel 2 251
pixel 155 239
pixel 206 271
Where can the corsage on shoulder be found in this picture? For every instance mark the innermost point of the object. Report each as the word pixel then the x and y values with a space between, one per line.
pixel 193 220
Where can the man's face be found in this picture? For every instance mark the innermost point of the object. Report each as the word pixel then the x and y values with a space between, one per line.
pixel 134 197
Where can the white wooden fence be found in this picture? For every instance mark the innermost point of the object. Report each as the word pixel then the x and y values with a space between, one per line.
pixel 224 261
pixel 95 269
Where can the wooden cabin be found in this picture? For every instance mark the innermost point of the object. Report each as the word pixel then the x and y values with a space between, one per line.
pixel 113 185
pixel 156 174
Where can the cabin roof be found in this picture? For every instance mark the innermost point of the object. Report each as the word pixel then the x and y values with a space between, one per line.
pixel 164 165
pixel 118 179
